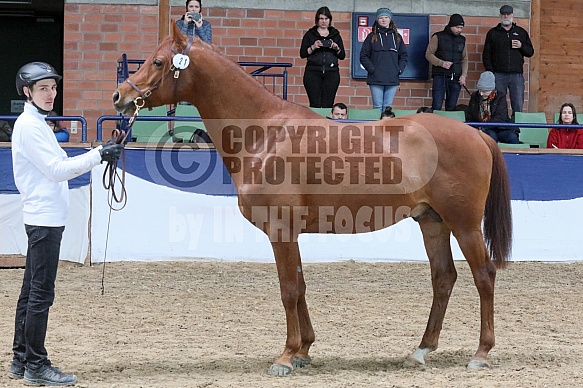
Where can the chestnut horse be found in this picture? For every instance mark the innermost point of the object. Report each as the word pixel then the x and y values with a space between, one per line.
pixel 297 172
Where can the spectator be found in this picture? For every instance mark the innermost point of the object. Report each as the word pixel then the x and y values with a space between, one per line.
pixel 488 105
pixel 322 46
pixel 5 131
pixel 566 138
pixel 339 111
pixel 387 113
pixel 448 55
pixel 60 133
pixel 384 56
pixel 41 169
pixel 190 26
pixel 505 47
pixel 425 109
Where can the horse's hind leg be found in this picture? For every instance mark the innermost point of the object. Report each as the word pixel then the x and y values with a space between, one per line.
pixel 484 273
pixel 443 276
pixel 300 334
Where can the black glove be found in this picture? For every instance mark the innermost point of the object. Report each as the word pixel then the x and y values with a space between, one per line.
pixel 111 151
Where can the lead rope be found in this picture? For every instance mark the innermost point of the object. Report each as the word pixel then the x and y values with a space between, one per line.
pixel 111 177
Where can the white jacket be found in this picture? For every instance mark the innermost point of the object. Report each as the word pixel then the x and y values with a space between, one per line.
pixel 42 168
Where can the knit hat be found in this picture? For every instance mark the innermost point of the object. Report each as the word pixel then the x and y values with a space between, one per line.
pixel 487 81
pixel 506 9
pixel 456 20
pixel 384 12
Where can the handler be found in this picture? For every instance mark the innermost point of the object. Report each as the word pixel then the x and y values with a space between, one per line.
pixel 41 170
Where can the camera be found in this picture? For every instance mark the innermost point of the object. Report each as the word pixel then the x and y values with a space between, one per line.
pixel 195 16
pixel 326 42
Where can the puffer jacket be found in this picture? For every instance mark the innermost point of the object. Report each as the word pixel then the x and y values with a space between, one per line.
pixel 384 59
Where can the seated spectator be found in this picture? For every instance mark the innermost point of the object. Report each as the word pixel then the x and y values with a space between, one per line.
pixel 566 138
pixel 487 105
pixel 339 111
pixel 5 131
pixel 60 132
pixel 425 109
pixel 387 113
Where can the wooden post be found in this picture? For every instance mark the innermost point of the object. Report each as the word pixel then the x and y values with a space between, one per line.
pixel 534 72
pixel 163 19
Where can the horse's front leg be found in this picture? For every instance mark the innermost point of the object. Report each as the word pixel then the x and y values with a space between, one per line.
pixel 300 334
pixel 302 358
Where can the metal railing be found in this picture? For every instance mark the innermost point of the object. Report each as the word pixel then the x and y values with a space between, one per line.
pixel 125 120
pixel 124 70
pixel 61 118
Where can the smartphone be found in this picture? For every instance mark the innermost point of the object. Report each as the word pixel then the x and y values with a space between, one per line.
pixel 326 42
pixel 195 16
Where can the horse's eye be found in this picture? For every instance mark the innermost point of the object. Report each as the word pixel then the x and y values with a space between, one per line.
pixel 157 62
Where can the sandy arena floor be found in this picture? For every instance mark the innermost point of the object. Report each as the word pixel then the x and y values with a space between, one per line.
pixel 211 324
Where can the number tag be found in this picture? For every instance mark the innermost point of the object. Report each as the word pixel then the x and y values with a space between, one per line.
pixel 181 61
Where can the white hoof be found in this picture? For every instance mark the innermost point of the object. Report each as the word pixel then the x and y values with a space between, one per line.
pixel 417 358
pixel 478 364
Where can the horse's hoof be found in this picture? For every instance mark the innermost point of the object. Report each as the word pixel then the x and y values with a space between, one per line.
pixel 279 370
pixel 300 362
pixel 478 364
pixel 417 358
pixel 411 362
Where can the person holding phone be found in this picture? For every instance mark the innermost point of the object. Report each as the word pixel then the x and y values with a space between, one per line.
pixel 192 23
pixel 322 47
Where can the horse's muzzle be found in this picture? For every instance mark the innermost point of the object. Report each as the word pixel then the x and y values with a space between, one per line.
pixel 119 105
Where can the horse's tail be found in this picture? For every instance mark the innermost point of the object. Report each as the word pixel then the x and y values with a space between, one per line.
pixel 498 212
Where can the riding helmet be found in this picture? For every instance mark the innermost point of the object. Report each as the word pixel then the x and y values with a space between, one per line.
pixel 33 72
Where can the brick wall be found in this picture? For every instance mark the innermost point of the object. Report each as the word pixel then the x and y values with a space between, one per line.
pixel 95 36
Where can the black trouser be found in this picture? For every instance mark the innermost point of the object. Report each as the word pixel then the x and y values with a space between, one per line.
pixel 321 87
pixel 37 294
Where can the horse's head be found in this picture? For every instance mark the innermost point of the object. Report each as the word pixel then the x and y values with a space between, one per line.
pixel 154 83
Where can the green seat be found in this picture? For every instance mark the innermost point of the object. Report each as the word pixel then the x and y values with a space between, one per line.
pixel 151 131
pixel 536 137
pixel 403 112
pixel 557 116
pixel 325 112
pixel 454 114
pixel 508 145
pixel 364 114
pixel 187 126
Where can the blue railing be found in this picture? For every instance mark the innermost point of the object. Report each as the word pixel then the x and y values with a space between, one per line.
pixel 125 120
pixel 124 71
pixel 525 125
pixel 61 118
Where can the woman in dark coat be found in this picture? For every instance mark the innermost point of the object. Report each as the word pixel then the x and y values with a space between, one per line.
pixel 322 46
pixel 384 57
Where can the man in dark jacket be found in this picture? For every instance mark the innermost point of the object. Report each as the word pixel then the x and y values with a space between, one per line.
pixel 448 55
pixel 504 50
pixel 488 105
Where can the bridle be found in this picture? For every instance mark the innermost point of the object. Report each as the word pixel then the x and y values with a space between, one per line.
pixel 177 65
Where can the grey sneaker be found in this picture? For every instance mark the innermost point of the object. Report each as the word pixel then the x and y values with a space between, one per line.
pixel 16 370
pixel 48 375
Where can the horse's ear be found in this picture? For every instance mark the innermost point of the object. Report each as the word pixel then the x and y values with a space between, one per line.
pixel 177 35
